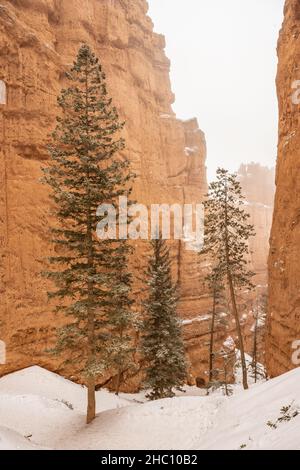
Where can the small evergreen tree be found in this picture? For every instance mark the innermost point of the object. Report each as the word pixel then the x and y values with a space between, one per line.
pixel 162 343
pixel 227 232
pixel 228 356
pixel 93 285
pixel 225 356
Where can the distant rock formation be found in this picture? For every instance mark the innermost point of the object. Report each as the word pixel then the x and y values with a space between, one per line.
pixel 258 185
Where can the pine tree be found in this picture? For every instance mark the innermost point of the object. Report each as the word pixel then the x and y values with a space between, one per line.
pixel 162 343
pixel 85 171
pixel 228 356
pixel 227 232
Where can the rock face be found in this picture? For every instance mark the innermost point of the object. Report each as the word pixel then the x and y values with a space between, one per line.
pixel 258 186
pixel 284 270
pixel 38 41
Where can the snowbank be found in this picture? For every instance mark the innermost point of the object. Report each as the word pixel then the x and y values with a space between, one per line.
pixel 39 410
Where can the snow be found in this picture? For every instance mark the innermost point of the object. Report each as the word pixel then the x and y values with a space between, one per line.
pixel 2 92
pixel 2 352
pixel 42 383
pixel 257 204
pixel 229 343
pixel 289 138
pixel 40 410
pixel 191 150
pixel 196 319
pixel 167 116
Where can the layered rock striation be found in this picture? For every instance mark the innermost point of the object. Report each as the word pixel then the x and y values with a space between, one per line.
pixel 38 42
pixel 284 270
pixel 258 186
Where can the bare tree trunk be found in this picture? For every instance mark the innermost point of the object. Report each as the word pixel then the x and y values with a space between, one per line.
pixel 254 359
pixel 91 400
pixel 239 331
pixel 211 343
pixel 118 383
pixel 120 368
pixel 225 378
pixel 91 389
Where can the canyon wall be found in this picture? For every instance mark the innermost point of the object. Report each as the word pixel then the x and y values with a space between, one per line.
pixel 284 267
pixel 258 187
pixel 38 42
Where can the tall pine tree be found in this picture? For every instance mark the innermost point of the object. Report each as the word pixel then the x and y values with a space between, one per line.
pixel 227 232
pixel 85 171
pixel 162 343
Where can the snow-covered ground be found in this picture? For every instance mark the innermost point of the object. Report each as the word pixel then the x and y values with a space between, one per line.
pixel 40 410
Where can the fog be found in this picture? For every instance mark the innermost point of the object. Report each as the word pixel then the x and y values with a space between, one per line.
pixel 223 56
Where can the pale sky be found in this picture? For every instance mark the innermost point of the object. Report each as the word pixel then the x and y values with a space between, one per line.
pixel 223 56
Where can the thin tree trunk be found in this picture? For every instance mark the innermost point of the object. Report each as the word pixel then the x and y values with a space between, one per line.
pixel 255 348
pixel 225 378
pixel 91 400
pixel 239 331
pixel 118 383
pixel 119 373
pixel 211 343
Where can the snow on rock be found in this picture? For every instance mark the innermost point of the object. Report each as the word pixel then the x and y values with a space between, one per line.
pixel 229 343
pixel 167 116
pixel 41 410
pixel 191 150
pixel 196 319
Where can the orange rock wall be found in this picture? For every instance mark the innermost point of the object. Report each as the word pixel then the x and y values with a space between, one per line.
pixel 38 41
pixel 258 186
pixel 284 267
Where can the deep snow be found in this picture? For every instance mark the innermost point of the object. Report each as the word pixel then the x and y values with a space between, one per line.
pixel 39 409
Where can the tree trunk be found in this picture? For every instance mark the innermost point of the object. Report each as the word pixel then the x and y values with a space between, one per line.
pixel 225 378
pixel 120 367
pixel 254 361
pixel 91 404
pixel 118 381
pixel 211 343
pixel 239 331
pixel 91 400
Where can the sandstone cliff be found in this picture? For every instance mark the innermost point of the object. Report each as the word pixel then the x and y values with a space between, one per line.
pixel 284 271
pixel 258 186
pixel 38 41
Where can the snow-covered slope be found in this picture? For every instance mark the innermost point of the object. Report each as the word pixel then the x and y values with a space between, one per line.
pixel 39 410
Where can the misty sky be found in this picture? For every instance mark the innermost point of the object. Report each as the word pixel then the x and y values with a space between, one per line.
pixel 223 71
